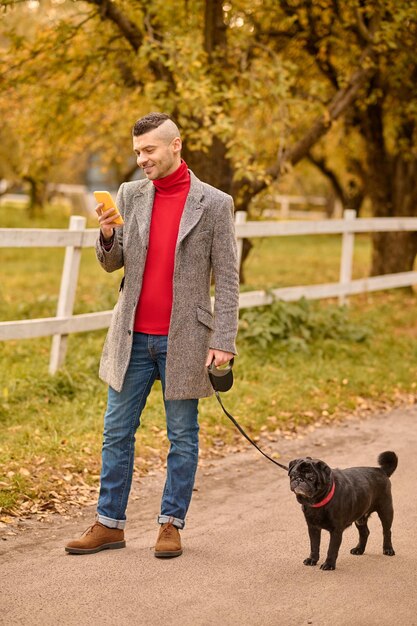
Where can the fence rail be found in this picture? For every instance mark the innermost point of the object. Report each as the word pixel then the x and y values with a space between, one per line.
pixel 78 237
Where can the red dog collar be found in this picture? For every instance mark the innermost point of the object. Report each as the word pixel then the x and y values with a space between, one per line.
pixel 326 499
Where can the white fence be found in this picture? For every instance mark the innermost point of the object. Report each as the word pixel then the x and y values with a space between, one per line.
pixel 78 196
pixel 78 237
pixel 282 206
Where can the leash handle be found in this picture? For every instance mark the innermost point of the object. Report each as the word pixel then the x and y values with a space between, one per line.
pixel 240 429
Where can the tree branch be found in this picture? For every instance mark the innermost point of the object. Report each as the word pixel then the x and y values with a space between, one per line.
pixel 132 34
pixel 215 29
pixel 313 47
pixel 338 105
pixel 353 194
pixel 129 29
pixel 321 165
pixel 362 29
pixel 342 100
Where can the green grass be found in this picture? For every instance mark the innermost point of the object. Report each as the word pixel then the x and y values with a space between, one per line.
pixel 306 260
pixel 328 364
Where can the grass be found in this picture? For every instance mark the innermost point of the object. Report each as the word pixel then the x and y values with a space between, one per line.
pixel 304 260
pixel 326 364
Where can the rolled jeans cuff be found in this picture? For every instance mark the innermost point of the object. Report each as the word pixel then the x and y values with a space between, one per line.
pixel 168 519
pixel 111 523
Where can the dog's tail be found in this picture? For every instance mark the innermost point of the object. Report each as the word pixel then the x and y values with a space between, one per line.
pixel 388 462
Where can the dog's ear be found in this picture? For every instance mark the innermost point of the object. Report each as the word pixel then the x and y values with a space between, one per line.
pixel 291 465
pixel 324 469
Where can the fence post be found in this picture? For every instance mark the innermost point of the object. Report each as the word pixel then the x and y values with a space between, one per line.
pixel 285 207
pixel 67 292
pixel 338 209
pixel 240 218
pixel 346 261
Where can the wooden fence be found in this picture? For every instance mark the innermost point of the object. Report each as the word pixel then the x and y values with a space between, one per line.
pixel 78 237
pixel 282 206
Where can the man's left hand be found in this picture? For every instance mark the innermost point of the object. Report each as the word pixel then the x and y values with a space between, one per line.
pixel 219 357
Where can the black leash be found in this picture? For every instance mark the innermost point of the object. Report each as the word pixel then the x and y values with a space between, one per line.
pixel 240 429
pixel 222 380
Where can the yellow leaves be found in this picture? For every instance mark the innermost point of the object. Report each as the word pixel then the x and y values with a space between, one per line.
pixel 69 490
pixel 326 118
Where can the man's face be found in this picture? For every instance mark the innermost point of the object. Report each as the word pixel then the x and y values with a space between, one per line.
pixel 157 155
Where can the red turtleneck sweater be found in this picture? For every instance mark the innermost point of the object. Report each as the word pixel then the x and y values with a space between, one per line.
pixel 153 311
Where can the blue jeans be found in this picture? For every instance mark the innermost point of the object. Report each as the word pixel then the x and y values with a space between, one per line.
pixel 122 418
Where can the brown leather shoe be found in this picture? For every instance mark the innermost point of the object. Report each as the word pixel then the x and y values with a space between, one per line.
pixel 169 542
pixel 97 537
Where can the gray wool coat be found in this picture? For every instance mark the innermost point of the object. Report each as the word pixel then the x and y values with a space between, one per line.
pixel 206 245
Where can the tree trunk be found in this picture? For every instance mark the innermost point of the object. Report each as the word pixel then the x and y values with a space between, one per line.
pixel 213 166
pixel 37 196
pixel 393 252
pixel 390 181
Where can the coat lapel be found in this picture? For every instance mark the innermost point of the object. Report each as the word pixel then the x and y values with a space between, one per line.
pixel 144 197
pixel 193 208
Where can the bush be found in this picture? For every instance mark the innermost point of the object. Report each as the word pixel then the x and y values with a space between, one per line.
pixel 294 325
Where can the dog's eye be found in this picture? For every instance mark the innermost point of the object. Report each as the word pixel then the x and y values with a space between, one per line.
pixel 310 476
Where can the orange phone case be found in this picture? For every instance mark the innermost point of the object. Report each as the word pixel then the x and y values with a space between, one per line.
pixel 109 203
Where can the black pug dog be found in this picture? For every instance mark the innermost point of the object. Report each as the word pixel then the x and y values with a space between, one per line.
pixel 332 499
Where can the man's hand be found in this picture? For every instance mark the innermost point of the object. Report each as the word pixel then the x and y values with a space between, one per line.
pixel 105 220
pixel 219 357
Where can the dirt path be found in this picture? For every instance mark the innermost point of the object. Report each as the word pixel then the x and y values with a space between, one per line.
pixel 243 550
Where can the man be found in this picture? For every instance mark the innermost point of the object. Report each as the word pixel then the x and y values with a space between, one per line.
pixel 177 232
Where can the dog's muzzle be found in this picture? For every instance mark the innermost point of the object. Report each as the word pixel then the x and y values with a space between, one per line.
pixel 299 489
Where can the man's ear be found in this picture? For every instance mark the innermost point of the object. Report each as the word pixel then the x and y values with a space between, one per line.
pixel 177 144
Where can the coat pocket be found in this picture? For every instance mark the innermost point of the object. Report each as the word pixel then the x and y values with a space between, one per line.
pixel 202 234
pixel 205 317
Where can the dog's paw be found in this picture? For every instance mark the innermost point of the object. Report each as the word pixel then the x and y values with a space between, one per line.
pixel 310 561
pixel 328 566
pixel 388 551
pixel 357 550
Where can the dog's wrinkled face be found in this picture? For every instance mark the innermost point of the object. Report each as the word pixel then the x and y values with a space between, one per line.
pixel 308 477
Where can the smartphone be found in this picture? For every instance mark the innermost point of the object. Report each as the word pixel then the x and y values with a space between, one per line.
pixel 109 203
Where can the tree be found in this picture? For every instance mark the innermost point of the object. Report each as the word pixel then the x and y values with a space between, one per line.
pixel 257 86
pixel 378 39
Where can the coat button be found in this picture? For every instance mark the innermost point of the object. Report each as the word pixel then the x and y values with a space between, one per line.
pixel 129 332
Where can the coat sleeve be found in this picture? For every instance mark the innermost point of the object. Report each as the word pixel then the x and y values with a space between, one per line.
pixel 112 259
pixel 224 262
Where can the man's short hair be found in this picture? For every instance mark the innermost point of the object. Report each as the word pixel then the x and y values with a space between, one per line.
pixel 149 122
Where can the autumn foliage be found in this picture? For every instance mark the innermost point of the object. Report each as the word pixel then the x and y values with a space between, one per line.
pixel 257 87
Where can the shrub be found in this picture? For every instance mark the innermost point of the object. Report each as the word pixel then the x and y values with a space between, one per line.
pixel 295 325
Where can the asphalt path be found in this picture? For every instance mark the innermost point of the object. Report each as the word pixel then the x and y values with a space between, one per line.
pixel 244 546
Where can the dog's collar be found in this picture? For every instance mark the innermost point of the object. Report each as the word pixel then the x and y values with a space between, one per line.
pixel 326 499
